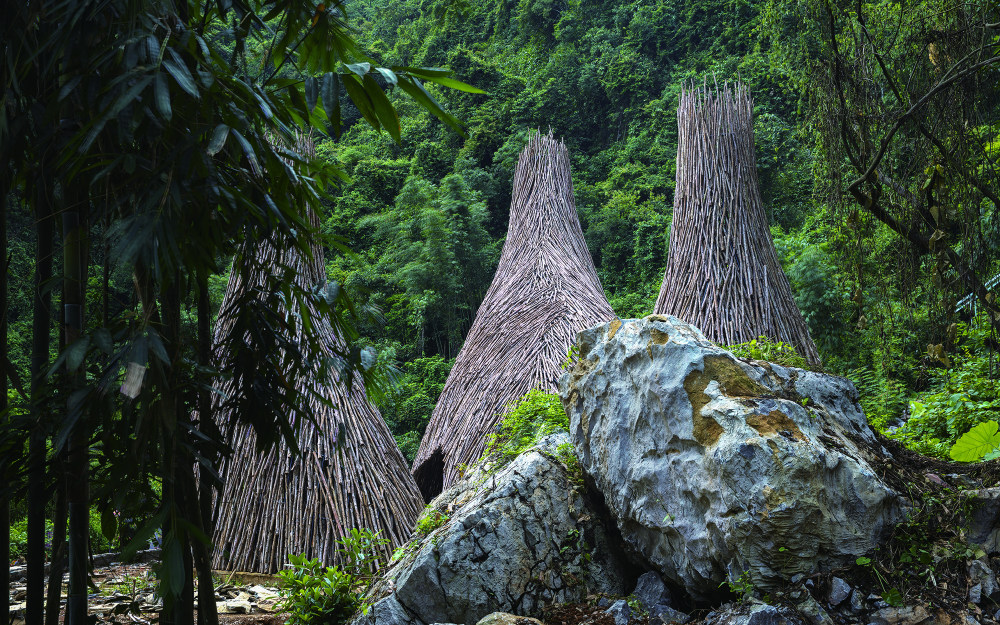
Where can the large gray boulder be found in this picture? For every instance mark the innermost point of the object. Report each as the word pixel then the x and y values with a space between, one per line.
pixel 515 540
pixel 723 469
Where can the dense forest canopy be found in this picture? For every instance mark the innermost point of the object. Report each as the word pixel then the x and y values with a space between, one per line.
pixel 877 127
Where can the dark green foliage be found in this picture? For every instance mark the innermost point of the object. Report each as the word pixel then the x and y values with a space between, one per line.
pixel 535 416
pixel 313 594
pixel 408 407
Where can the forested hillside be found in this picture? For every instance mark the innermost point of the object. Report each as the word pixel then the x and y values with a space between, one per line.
pixel 427 216
pixel 144 143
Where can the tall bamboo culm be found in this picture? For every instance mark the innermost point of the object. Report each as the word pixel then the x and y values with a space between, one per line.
pixel 545 291
pixel 723 274
pixel 275 504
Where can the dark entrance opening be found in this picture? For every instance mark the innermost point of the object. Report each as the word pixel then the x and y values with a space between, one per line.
pixel 430 476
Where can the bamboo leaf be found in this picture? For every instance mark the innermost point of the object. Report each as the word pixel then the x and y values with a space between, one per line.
pixel 331 99
pixel 218 139
pixel 454 84
pixel 361 100
pixel 181 74
pixel 312 93
pixel 383 108
pixel 162 93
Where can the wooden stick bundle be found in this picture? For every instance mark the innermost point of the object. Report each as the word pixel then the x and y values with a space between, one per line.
pixel 545 290
pixel 723 273
pixel 273 505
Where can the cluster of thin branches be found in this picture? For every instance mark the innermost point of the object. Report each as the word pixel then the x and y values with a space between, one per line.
pixel 723 273
pixel 349 472
pixel 545 290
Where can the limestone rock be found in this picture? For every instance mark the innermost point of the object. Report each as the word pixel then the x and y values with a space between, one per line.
pixel 663 614
pixel 515 541
pixel 651 591
pixel 753 614
pixel 620 611
pixel 504 618
pixel 839 590
pixel 714 466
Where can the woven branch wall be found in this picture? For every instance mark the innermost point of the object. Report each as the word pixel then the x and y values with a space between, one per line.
pixel 723 274
pixel 273 505
pixel 545 291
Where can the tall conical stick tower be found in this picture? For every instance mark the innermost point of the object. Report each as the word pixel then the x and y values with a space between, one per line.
pixel 545 290
pixel 349 474
pixel 723 274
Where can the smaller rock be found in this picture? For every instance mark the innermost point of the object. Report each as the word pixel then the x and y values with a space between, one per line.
pixel 665 615
pixel 503 618
pixel 839 590
pixel 982 575
pixel 387 611
pixel 650 591
pixel 908 615
pixel 234 606
pixel 603 602
pixel 857 601
pixel 620 611
pixel 976 594
pixel 812 610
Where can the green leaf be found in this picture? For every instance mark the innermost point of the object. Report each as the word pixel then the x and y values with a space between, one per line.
pixel 331 99
pixel 181 74
pixel 109 523
pixel 361 69
pixel 415 90
pixel 248 150
pixel 976 443
pixel 76 352
pixel 173 566
pixel 383 108
pixel 361 100
pixel 863 561
pixel 425 71
pixel 312 93
pixel 218 139
pixel 454 84
pixel 388 74
pixel 162 92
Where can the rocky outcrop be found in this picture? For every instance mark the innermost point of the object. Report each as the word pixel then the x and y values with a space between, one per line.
pixel 718 468
pixel 514 541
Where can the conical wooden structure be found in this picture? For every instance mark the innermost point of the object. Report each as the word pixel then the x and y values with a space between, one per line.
pixel 545 290
pixel 274 505
pixel 723 274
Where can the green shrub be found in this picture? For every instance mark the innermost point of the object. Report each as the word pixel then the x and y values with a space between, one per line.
pixel 360 552
pixel 981 442
pixel 430 520
pixel 312 594
pixel 763 348
pixel 535 416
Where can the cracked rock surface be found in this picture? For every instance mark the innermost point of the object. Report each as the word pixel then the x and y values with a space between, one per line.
pixel 515 540
pixel 715 465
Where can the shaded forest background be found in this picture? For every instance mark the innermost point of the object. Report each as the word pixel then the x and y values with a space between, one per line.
pixel 879 268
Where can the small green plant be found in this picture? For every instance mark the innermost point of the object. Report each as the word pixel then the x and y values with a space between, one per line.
pixel 313 594
pixel 360 552
pixel 743 586
pixel 892 596
pixel 763 348
pixel 430 520
pixel 535 416
pixel 980 443
pixel 567 456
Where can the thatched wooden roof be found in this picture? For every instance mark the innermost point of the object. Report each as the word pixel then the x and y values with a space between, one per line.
pixel 723 274
pixel 545 290
pixel 273 505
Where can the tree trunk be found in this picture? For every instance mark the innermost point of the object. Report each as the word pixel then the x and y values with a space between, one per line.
pixel 78 496
pixel 207 614
pixel 53 601
pixel 40 329
pixel 5 477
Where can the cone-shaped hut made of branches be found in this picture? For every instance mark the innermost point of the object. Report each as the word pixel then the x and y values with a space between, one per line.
pixel 723 273
pixel 349 473
pixel 545 291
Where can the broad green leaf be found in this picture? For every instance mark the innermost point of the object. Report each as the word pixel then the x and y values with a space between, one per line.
pixel 76 352
pixel 312 93
pixel 976 443
pixel 383 108
pixel 454 84
pixel 175 65
pixel 249 151
pixel 361 100
pixel 218 139
pixel 173 566
pixel 361 69
pixel 331 99
pixel 109 523
pixel 424 71
pixel 162 91
pixel 388 74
